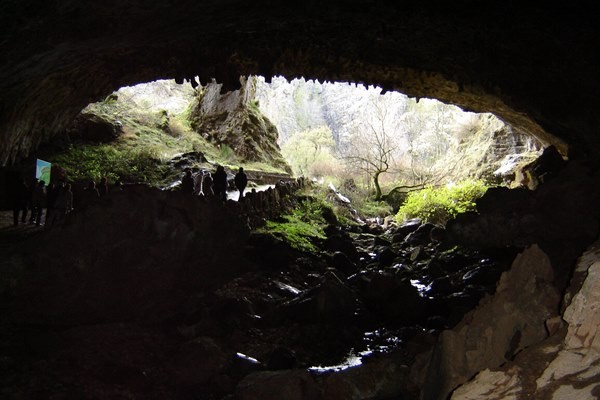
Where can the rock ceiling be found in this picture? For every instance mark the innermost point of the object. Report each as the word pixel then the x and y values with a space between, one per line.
pixel 533 66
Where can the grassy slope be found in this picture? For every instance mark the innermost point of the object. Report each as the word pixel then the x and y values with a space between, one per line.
pixel 142 151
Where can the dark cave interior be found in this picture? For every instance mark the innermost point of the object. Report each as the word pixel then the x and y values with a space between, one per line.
pixel 533 66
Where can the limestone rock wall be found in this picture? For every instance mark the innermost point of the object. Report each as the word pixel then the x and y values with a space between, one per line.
pixel 564 366
pixel 501 326
pixel 533 66
pixel 231 119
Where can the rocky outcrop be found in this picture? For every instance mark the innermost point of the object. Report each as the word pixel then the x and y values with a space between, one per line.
pixel 566 365
pixel 501 326
pixel 140 254
pixel 93 128
pixel 561 214
pixel 233 120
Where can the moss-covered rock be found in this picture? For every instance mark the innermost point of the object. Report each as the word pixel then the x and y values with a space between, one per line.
pixel 233 121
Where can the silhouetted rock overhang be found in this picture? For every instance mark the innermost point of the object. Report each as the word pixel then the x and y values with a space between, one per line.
pixel 533 66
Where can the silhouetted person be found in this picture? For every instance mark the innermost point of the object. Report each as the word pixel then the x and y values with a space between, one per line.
pixel 69 197
pixel 103 187
pixel 241 181
pixel 50 199
pixel 220 183
pixel 90 195
pixel 38 201
pixel 118 186
pixel 20 193
pixel 187 182
pixel 59 206
pixel 207 185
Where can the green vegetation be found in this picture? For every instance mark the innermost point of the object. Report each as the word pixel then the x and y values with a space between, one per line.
pixel 438 205
pixel 310 153
pixel 148 138
pixel 303 227
pixel 91 162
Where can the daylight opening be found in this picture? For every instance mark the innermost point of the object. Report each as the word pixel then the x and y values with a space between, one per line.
pixel 362 144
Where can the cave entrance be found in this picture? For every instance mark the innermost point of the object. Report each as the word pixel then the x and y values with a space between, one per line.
pixel 340 133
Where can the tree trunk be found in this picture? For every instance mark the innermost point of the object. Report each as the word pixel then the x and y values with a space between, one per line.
pixel 377 187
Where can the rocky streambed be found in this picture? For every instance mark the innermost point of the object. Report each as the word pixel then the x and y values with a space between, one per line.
pixel 158 295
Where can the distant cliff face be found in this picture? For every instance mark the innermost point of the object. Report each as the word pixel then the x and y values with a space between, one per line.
pixel 233 119
pixel 422 130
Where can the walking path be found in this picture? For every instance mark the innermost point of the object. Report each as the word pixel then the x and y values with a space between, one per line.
pixel 10 234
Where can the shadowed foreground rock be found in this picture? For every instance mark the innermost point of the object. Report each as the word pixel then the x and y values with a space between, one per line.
pixel 566 365
pixel 136 255
pixel 502 325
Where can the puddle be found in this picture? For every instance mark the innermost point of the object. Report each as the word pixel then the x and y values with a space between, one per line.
pixel 423 289
pixel 352 360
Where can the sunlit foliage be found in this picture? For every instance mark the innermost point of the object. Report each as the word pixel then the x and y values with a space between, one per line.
pixel 438 205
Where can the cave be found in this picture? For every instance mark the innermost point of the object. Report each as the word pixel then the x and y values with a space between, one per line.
pixel 533 66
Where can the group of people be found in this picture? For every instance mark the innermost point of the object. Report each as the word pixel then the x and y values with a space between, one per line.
pixel 57 199
pixel 213 184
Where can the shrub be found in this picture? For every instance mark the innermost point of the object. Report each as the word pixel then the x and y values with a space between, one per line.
pixel 438 205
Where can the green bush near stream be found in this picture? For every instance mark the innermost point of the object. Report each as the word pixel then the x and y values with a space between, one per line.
pixel 438 205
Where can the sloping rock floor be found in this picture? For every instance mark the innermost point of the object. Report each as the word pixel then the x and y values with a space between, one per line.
pixel 107 324
pixel 175 301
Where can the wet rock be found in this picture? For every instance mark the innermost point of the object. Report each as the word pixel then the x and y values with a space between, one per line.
pixel 243 365
pixel 277 385
pixel 441 286
pixel 342 243
pixel 382 377
pixel 330 302
pixel 408 227
pixel 381 241
pixel 437 234
pixel 486 275
pixel 398 237
pixel 234 312
pixel 386 257
pixel 417 254
pixel 342 262
pixel 421 235
pixel 393 299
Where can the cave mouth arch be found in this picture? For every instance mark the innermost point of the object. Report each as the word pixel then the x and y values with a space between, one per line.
pixel 425 137
pixel 507 59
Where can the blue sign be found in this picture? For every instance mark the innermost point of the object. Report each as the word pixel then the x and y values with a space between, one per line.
pixel 42 171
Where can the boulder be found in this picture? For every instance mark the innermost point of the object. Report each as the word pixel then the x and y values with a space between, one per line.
pixel 92 128
pixel 564 366
pixel 501 326
pixel 277 385
pixel 393 299
pixel 342 262
pixel 329 302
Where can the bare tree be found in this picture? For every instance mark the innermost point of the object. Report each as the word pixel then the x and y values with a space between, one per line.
pixel 373 145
